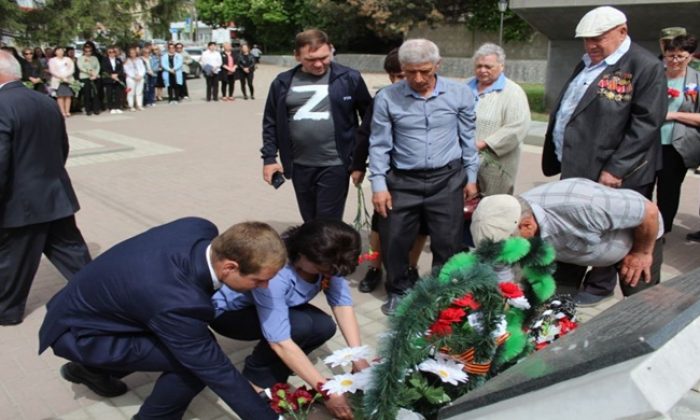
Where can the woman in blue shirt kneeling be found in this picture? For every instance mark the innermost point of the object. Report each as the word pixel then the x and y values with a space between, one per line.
pixel 320 253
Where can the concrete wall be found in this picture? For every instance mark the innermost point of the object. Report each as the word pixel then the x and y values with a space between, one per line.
pixel 459 41
pixel 529 71
pixel 557 20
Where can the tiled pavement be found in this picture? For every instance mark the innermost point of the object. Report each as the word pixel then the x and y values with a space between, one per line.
pixel 137 170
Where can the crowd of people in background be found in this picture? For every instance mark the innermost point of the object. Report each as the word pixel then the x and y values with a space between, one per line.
pixel 138 77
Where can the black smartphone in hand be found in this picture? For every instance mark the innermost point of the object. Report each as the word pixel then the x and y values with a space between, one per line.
pixel 277 179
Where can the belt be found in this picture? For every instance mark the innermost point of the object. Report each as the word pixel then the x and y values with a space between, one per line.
pixel 455 164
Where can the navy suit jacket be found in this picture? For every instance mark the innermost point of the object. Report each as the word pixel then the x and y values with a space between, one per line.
pixel 34 185
pixel 155 283
pixel 618 136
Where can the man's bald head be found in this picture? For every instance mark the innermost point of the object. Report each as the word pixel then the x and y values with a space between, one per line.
pixel 10 70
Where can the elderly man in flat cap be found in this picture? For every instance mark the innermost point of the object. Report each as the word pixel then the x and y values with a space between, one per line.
pixel 605 125
pixel 588 224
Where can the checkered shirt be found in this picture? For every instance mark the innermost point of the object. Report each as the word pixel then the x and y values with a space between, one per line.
pixel 588 224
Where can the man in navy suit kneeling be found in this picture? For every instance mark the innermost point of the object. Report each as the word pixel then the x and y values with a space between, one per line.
pixel 145 305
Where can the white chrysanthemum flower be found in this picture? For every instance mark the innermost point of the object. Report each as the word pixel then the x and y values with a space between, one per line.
pixel 501 327
pixel 363 378
pixel 519 302
pixel 404 414
pixel 447 370
pixel 340 384
pixel 474 320
pixel 346 356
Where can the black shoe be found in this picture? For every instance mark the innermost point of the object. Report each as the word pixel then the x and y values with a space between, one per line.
pixel 245 98
pixel 7 322
pixel 412 274
pixel 392 301
pixel 252 97
pixel 371 280
pixel 693 236
pixel 101 384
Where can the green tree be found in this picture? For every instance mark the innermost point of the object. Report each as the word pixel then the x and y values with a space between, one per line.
pixel 484 15
pixel 9 13
pixel 106 21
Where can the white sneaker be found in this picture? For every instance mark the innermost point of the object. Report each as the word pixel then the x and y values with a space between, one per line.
pixel 132 109
pixel 119 111
pixel 112 111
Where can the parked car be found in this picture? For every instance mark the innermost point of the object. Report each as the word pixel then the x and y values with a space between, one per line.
pixel 195 67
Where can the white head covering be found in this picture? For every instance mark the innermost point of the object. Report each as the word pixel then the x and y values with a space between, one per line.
pixel 599 21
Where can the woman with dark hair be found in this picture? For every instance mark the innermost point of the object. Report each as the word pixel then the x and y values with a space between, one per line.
pixel 246 68
pixel 320 253
pixel 89 73
pixel 35 70
pixel 680 134
pixel 171 63
pixel 62 68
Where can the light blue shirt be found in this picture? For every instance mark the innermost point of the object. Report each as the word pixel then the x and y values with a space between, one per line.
pixel 411 132
pixel 285 291
pixel 578 87
pixel 496 86
pixel 674 105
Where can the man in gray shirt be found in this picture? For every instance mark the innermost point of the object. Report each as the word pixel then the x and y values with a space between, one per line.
pixel 311 115
pixel 423 161
pixel 588 224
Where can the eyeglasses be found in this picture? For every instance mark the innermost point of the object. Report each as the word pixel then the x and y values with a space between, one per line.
pixel 28 53
pixel 676 57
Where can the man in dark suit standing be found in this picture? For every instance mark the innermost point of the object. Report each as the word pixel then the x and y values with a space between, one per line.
pixel 145 305
pixel 37 201
pixel 605 126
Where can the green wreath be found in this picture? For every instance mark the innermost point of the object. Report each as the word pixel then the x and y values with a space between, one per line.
pixel 396 384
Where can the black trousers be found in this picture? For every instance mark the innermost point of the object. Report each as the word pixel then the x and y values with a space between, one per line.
pixel 228 81
pixel 184 92
pixel 113 95
pixel 321 191
pixel 310 328
pixel 668 184
pixel 434 196
pixel 246 78
pixel 20 254
pixel 175 387
pixel 212 87
pixel 91 100
pixel 601 281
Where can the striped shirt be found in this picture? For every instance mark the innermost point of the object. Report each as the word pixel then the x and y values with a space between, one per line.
pixel 587 223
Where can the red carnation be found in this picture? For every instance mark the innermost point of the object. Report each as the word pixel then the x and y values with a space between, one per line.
pixel 467 301
pixel 540 346
pixel 275 405
pixel 673 93
pixel 510 290
pixel 302 396
pixel 451 315
pixel 440 328
pixel 566 326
